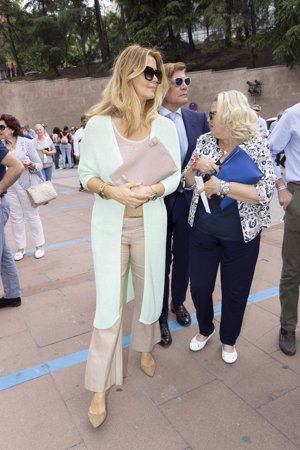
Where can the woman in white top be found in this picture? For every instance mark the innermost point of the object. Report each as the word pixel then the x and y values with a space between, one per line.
pixel 129 222
pixel 21 210
pixel 46 150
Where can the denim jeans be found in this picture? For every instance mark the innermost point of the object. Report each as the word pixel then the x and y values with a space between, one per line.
pixel 56 156
pixel 66 150
pixel 9 275
pixel 47 171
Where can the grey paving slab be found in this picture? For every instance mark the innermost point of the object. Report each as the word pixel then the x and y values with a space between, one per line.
pixel 264 322
pixel 12 322
pixel 213 417
pixel 133 422
pixel 284 414
pixel 58 315
pixel 265 383
pixel 33 417
pixel 70 383
pixel 168 384
pixel 18 351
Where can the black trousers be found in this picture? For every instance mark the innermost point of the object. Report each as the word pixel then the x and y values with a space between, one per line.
pixel 237 261
pixel 177 255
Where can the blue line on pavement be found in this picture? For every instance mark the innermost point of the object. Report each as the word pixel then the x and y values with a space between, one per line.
pixel 50 209
pixel 63 244
pixel 63 362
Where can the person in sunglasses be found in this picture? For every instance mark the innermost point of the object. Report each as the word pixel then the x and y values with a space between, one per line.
pixel 228 235
pixel 21 210
pixel 129 219
pixel 189 125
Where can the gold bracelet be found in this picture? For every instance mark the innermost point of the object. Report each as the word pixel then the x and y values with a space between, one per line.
pixel 101 190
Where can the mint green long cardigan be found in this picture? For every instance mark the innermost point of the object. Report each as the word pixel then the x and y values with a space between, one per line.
pixel 99 157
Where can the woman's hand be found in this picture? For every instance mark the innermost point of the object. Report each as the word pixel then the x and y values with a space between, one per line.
pixel 205 166
pixel 129 194
pixel 29 164
pixel 211 186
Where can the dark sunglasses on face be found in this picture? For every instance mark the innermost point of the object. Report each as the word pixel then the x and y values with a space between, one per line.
pixel 212 114
pixel 179 81
pixel 2 127
pixel 149 74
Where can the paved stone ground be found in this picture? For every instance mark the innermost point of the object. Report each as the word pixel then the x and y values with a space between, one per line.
pixel 194 402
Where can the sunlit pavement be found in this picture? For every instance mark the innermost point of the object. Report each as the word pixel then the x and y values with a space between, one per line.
pixel 195 401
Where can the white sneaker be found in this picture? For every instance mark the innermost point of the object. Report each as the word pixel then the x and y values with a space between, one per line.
pixel 19 255
pixel 196 345
pixel 39 253
pixel 229 357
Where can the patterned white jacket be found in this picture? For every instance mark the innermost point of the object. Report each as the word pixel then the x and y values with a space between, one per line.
pixel 253 217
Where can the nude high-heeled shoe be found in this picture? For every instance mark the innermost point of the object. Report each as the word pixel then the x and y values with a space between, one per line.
pixel 148 364
pixel 97 411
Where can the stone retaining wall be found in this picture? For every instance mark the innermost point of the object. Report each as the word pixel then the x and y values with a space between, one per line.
pixel 62 102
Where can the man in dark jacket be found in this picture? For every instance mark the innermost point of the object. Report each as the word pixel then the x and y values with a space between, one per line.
pixel 190 125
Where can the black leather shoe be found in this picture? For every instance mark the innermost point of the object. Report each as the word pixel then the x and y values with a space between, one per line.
pixel 287 341
pixel 182 315
pixel 10 302
pixel 166 338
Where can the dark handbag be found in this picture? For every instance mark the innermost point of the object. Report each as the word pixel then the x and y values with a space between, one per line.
pixel 41 194
pixel 238 167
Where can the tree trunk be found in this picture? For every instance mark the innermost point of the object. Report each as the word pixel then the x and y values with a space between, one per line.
pixel 123 24
pixel 103 41
pixel 245 13
pixel 191 41
pixel 253 18
pixel 228 22
pixel 171 34
pixel 13 48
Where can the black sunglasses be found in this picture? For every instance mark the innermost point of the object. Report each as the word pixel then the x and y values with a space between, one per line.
pixel 212 114
pixel 180 81
pixel 149 74
pixel 2 127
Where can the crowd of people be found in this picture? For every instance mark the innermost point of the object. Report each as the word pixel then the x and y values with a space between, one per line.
pixel 159 226
pixel 62 146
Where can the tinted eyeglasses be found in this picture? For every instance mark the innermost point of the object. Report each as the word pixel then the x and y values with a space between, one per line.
pixel 2 127
pixel 149 74
pixel 179 81
pixel 212 114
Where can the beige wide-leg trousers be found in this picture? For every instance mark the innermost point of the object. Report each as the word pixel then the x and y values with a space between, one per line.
pixel 105 363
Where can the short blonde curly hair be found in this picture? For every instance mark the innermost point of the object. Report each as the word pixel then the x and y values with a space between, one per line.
pixel 235 113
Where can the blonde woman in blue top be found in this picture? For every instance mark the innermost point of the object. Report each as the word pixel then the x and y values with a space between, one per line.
pixel 129 221
pixel 227 238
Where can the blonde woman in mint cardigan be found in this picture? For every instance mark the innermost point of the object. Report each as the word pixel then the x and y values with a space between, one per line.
pixel 129 221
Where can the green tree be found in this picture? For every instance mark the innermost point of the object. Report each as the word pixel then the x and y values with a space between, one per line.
pixel 12 31
pixel 282 32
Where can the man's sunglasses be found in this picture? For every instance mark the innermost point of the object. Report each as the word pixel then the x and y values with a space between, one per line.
pixel 149 74
pixel 180 81
pixel 2 127
pixel 212 114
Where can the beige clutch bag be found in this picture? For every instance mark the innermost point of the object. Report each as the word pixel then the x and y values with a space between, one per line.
pixel 149 165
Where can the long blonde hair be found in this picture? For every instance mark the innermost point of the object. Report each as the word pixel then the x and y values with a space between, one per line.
pixel 120 98
pixel 235 113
